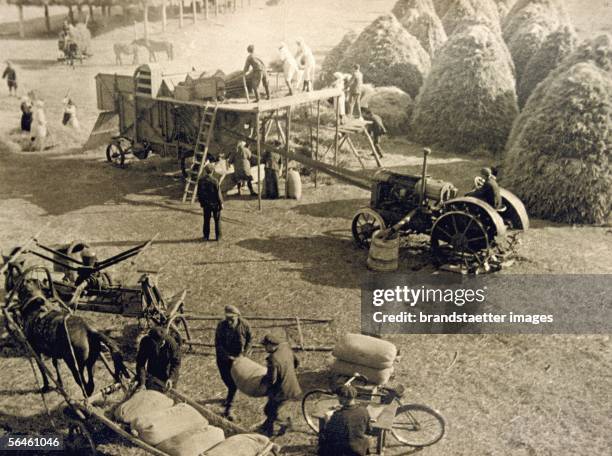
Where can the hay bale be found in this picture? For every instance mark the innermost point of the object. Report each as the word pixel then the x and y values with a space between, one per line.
pixel 559 160
pixel 468 102
pixel 393 105
pixel 461 11
pixel 556 47
pixel 389 55
pixel 420 19
pixel 331 63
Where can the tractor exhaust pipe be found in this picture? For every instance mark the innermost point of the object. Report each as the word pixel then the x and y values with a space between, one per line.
pixel 426 152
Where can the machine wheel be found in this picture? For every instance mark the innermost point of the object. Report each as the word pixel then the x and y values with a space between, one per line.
pixel 417 425
pixel 115 154
pixel 365 223
pixel 316 401
pixel 459 236
pixel 79 440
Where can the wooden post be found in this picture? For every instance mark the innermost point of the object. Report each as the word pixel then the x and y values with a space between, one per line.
pixel 163 11
pixel 258 133
pixel 216 7
pixel 48 21
pixel 317 144
pixel 206 9
pixel 91 11
pixel 194 10
pixel 181 23
pixel 337 131
pixel 287 136
pixel 146 20
pixel 71 14
pixel 21 24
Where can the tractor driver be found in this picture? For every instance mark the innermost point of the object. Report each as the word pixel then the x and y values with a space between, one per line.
pixel 488 191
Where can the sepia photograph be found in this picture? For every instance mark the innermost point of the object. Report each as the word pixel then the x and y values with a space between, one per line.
pixel 306 227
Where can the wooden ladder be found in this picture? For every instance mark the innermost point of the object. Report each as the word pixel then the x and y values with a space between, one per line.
pixel 207 125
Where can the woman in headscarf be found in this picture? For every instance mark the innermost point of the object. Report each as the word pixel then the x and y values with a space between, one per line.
pixel 291 70
pixel 307 62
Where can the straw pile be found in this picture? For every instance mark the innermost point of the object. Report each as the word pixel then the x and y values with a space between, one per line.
pixel 559 161
pixel 393 105
pixel 527 26
pixel 389 55
pixel 468 102
pixel 555 48
pixel 332 60
pixel 420 19
pixel 461 11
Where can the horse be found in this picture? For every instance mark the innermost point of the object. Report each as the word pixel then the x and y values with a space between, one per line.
pixel 155 46
pixel 125 48
pixel 52 330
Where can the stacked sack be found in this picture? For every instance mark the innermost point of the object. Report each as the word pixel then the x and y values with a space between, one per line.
pixel 178 430
pixel 247 375
pixel 368 356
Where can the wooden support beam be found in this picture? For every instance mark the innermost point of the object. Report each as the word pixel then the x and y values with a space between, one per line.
pixel 373 147
pixel 21 21
pixel 194 11
pixel 181 23
pixel 287 150
pixel 258 139
pixel 164 17
pixel 354 150
pixel 317 143
pixel 337 134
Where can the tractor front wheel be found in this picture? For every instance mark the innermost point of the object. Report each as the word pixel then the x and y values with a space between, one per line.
pixel 365 222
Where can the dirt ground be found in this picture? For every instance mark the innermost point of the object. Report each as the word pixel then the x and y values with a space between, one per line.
pixel 500 394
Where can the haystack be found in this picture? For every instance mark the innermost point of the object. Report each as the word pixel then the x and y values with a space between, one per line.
pixel 556 47
pixel 550 13
pixel 442 6
pixel 559 161
pixel 468 102
pixel 461 11
pixel 393 105
pixel 420 19
pixel 389 56
pixel 331 63
pixel 504 7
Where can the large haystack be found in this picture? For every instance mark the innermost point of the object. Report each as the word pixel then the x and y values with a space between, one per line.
pixel 393 105
pixel 331 63
pixel 504 7
pixel 389 56
pixel 420 19
pixel 462 11
pixel 559 161
pixel 442 6
pixel 468 102
pixel 556 47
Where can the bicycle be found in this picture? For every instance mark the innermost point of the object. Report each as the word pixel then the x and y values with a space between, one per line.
pixel 412 425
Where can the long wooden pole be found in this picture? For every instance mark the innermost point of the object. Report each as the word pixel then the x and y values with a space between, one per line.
pixel 206 9
pixel 216 7
pixel 21 24
pixel 316 172
pixel 181 14
pixel 146 21
pixel 287 136
pixel 194 10
pixel 337 135
pixel 258 138
pixel 164 17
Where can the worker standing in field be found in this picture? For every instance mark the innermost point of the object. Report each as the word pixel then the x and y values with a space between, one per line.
pixel 232 338
pixel 355 89
pixel 306 60
pixel 211 201
pixel 158 361
pixel 376 128
pixel 11 78
pixel 345 434
pixel 258 74
pixel 281 383
pixel 241 160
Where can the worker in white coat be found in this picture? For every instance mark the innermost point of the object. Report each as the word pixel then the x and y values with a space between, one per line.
pixel 307 62
pixel 291 69
pixel 39 126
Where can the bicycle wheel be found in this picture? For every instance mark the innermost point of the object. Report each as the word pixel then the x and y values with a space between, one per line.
pixel 316 403
pixel 417 425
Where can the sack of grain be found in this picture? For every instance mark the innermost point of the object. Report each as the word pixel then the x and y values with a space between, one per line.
pixel 248 374
pixel 374 376
pixel 240 445
pixel 365 350
pixel 192 442
pixel 142 403
pixel 159 426
pixel 294 185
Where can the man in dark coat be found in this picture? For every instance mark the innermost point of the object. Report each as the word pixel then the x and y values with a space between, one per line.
pixel 345 434
pixel 488 190
pixel 11 78
pixel 159 357
pixel 258 74
pixel 209 197
pixel 232 338
pixel 376 128
pixel 281 383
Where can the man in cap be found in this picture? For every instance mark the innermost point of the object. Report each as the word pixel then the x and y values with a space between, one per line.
pixel 211 201
pixel 281 384
pixel 488 190
pixel 158 361
pixel 232 338
pixel 258 74
pixel 345 434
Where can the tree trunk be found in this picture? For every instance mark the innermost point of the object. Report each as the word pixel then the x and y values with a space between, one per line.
pixel 21 24
pixel 91 11
pixel 163 11
pixel 70 14
pixel 146 22
pixel 47 19
pixel 180 13
pixel 195 12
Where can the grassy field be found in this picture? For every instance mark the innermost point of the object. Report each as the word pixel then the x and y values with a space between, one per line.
pixel 501 395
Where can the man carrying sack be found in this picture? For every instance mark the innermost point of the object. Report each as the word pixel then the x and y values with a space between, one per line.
pixel 281 384
pixel 232 339
pixel 158 358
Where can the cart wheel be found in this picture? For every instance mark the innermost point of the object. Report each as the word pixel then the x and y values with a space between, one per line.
pixel 115 154
pixel 417 425
pixel 316 403
pixel 460 236
pixel 365 223
pixel 79 440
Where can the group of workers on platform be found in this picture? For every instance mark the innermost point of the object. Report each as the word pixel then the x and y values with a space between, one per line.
pixel 158 365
